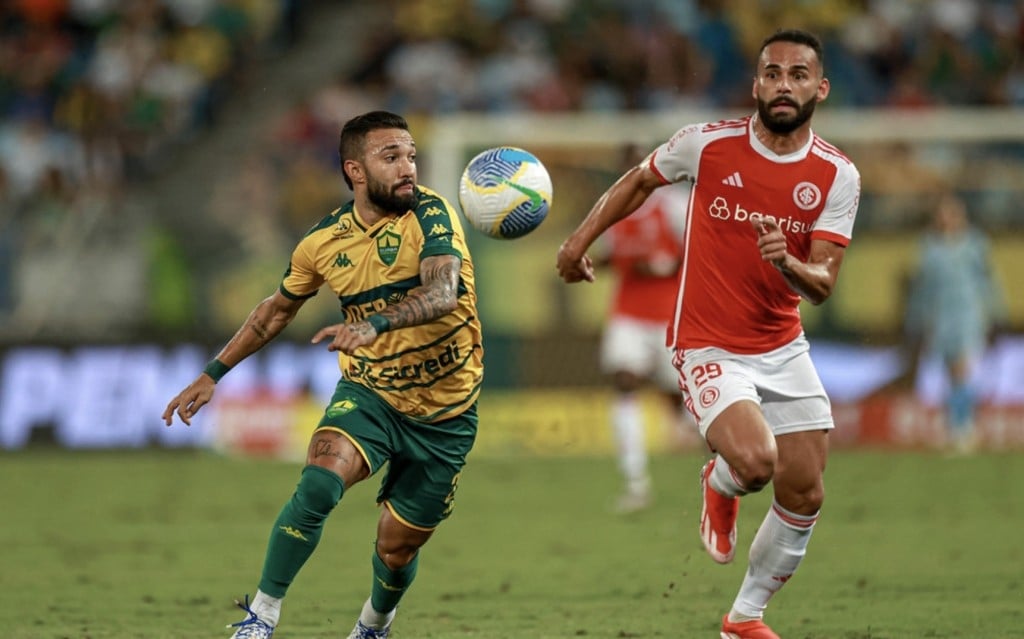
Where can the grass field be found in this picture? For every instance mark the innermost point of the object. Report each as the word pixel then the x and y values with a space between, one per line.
pixel 157 544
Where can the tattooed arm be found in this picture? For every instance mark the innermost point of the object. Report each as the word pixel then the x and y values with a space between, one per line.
pixel 264 323
pixel 435 297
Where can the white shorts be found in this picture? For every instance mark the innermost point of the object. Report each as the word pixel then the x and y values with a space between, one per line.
pixel 638 347
pixel 783 382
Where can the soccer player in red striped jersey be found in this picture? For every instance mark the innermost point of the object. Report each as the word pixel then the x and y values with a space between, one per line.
pixel 771 211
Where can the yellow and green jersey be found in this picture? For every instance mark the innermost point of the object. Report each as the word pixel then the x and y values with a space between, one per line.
pixel 428 372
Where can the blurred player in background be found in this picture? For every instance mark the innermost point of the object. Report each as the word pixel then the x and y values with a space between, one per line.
pixel 410 350
pixel 954 306
pixel 645 253
pixel 771 212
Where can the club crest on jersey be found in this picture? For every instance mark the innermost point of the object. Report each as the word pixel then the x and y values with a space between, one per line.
pixel 708 396
pixel 388 243
pixel 340 408
pixel 806 195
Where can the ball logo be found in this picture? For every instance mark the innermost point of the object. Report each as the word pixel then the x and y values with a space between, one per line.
pixel 806 195
pixel 708 396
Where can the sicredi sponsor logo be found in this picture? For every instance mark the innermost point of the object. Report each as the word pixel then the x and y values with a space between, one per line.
pixel 722 209
pixel 429 367
pixel 424 368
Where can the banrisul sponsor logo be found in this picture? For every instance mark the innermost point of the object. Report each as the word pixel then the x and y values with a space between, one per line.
pixel 723 210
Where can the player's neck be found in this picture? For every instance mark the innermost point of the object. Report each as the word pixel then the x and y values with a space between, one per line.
pixel 782 143
pixel 368 213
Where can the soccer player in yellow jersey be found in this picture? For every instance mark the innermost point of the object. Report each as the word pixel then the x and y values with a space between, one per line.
pixel 411 357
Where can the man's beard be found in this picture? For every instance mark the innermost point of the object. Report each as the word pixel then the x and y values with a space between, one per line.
pixel 387 200
pixel 783 124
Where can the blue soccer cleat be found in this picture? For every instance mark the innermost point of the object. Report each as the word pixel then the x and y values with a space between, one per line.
pixel 365 632
pixel 252 627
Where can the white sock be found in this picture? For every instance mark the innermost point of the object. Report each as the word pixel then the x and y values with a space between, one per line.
pixel 267 608
pixel 724 481
pixel 627 421
pixel 373 619
pixel 776 552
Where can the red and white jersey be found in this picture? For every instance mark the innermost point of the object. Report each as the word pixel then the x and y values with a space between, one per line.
pixel 651 235
pixel 728 296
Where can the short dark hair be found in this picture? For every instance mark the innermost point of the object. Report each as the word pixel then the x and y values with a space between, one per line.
pixel 353 134
pixel 797 36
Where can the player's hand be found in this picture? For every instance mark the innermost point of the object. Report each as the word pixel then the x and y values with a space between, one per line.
pixel 770 240
pixel 189 401
pixel 573 267
pixel 347 337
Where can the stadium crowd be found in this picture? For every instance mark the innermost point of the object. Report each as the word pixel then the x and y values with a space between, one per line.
pixel 97 94
pixel 566 55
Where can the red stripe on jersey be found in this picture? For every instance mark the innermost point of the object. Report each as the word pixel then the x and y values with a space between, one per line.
pixel 828 148
pixel 740 123
pixel 655 170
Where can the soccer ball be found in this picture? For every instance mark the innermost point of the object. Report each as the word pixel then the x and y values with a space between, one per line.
pixel 505 192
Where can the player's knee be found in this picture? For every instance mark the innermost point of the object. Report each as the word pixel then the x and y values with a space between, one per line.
pixel 804 500
pixel 813 499
pixel 626 381
pixel 397 555
pixel 397 544
pixel 755 468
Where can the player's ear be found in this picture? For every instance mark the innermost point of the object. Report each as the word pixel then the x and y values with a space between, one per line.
pixel 823 89
pixel 354 171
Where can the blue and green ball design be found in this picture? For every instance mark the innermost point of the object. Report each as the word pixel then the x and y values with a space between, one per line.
pixel 505 192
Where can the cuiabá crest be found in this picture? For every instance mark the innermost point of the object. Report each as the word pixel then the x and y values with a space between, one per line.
pixel 340 408
pixel 388 244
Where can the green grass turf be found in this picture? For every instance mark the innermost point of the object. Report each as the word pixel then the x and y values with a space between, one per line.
pixel 157 544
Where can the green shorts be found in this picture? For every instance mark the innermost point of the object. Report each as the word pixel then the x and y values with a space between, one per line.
pixel 424 459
